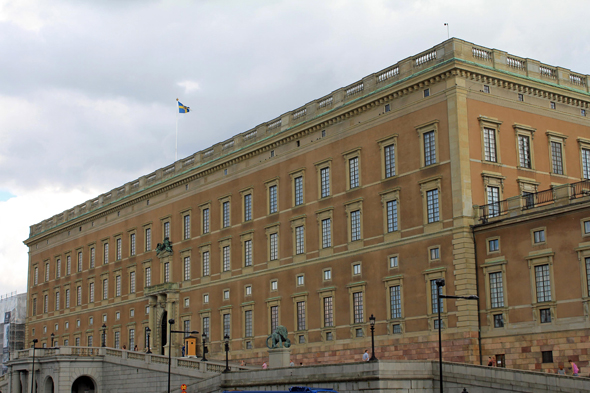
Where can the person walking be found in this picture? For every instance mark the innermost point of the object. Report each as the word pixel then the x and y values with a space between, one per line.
pixel 366 356
pixel 575 369
pixel 264 366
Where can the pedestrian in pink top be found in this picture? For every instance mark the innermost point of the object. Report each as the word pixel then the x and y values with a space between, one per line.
pixel 575 369
pixel 264 366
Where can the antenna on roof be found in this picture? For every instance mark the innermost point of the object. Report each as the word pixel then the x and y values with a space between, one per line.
pixel 448 35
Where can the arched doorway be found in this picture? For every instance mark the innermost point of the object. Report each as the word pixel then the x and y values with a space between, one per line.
pixel 83 384
pixel 164 331
pixel 49 387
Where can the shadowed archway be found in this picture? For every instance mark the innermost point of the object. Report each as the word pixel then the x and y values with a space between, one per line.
pixel 83 384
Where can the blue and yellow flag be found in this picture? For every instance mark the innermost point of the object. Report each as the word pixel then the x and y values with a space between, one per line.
pixel 182 108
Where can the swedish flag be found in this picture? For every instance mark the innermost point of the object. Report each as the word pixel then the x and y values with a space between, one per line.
pixel 182 108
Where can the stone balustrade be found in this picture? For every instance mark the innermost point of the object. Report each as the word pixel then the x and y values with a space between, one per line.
pixel 452 49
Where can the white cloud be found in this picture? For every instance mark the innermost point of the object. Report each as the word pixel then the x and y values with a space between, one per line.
pixel 189 86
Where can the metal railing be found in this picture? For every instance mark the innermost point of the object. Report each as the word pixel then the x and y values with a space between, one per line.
pixel 580 189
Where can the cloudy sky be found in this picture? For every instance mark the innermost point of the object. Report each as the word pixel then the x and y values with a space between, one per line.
pixel 88 88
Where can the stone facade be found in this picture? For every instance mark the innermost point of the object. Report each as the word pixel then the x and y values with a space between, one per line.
pixel 349 206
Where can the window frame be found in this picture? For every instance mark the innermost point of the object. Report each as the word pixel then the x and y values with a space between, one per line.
pixel 294 175
pixel 387 197
pixel 389 282
pixel 523 130
pixel 271 230
pixel 584 146
pixel 558 139
pixel 535 259
pixel 350 155
pixel 321 215
pixel 205 214
pixel 225 216
pixel 245 239
pixel 384 143
pixel 422 129
pixel 269 184
pixel 430 275
pixel 350 208
pixel 247 211
pixel 325 164
pixel 427 185
pixel 492 124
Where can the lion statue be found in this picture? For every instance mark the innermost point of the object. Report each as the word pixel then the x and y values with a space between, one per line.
pixel 279 338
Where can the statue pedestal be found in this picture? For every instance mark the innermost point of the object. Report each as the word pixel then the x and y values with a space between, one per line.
pixel 279 357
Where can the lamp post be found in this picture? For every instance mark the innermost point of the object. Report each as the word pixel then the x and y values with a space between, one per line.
pixel 439 284
pixel 204 347
pixel 226 339
pixel 170 331
pixel 104 335
pixel 372 321
pixel 35 341
pixel 147 332
pixel 52 339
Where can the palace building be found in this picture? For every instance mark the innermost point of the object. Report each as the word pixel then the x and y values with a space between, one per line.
pixel 462 163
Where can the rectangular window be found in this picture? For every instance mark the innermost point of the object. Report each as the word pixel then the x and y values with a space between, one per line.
pixel 206 220
pixel 498 320
pixel 274 247
pixel 80 261
pixel 46 304
pixel 274 318
pixel 57 301
pixel 226 325
pixel 167 229
pixel 131 339
pixel 58 268
pixel 91 293
pixel 206 265
pixel 167 272
pixel 79 296
pixel 206 326
pixel 434 253
pixel 247 207
pixel 393 261
pixel 539 236
pixel 327 233
pixel 92 257
pixel 496 290
pixel 248 331
pixel 300 315
pixel 325 181
pixel 543 283
pixel 132 244
pixel 353 167
pixel 494 245
pixel 117 340
pixel 105 289
pixel 391 216
pixel 226 214
pixel 105 259
pixel 119 249
pixel 429 148
pixel 357 301
pixel 272 199
pixel 545 314
pixel 524 150
pixel 148 276
pixel 226 261
pixel 36 279
pixel 118 286
pixel 89 341
pixel 187 268
pixel 586 163
pixel 299 240
pixel 68 265
pixel 67 298
pixel 552 105
pixel 148 239
pixel 300 280
pixel 395 301
pixel 47 271
pixel 556 158
pixel 426 93
pixel 356 269
pixel 355 225
pixel 187 226
pixel 520 97
pixel 493 201
pixel 489 144
pixel 248 253
pixel 547 356
pixel 389 152
pixel 328 312
pixel 434 292
pixel 486 89
pixel 77 341
pixel 132 282
pixel 298 190
pixel 327 275
pixel 186 327
pixel 432 206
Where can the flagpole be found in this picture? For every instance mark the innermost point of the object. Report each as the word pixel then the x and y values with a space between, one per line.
pixel 176 149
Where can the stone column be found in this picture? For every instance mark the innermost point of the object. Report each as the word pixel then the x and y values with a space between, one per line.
pixel 152 321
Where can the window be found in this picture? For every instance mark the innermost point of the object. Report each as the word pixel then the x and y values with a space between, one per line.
pixel 493 245
pixel 119 249
pixel 132 244
pixel 272 153
pixel 206 326
pixel 226 294
pixel 58 268
pixel 392 216
pixel 117 315
pixel 356 269
pixel 147 309
pixel 186 302
pixel 393 261
pixel 206 264
pixel 325 182
pixel 45 303
pixel 489 144
pixel 274 318
pixel 36 279
pixel 543 283
pixel 274 246
pixel 77 341
pixel 389 152
pixel 226 259
pixel 187 268
pixel 327 274
pixel 247 207
pixel 248 253
pixel 520 97
pixel 298 188
pixel 300 315
pixel 496 290
pixel 132 282
pixel 68 265
pixel 539 236
pixel 498 321
pixel 429 148
pixel 274 285
pixel 167 229
pixel 79 296
pixel 355 225
pixel 47 271
pixel 248 331
pixel 89 341
pixel 434 292
pixel 186 327
pixel 34 308
pixel 132 313
pixel 67 298
pixel 583 112
pixel 434 253
pixel 57 301
pixel 226 325
pixel 547 356
pixel 545 314
pixel 432 206
pixel 553 105
pixel 328 312
pixel 426 93
pixel 248 290
pixel 118 286
pixel 586 163
pixel 300 280
pixel 586 227
pixel 91 292
pixel 205 220
pixel 131 339
pixel 357 299
pixel 92 257
pixel 167 272
pixel 105 259
pixel 396 328
pixel 299 240
pixel 105 289
pixel 524 151
pixel 206 298
pixel 387 107
pixel 148 239
pixel 486 89
pixel 353 168
pixel 148 276
pixel 117 339
pixel 556 158
pixel 272 199
pixel 493 196
pixel 395 301
pixel 327 233
pixel 187 226
pixel 225 214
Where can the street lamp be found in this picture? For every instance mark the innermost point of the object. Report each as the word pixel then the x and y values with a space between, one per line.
pixel 439 284
pixel 147 332
pixel 35 341
pixel 226 339
pixel 205 350
pixel 104 335
pixel 52 339
pixel 170 331
pixel 372 321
